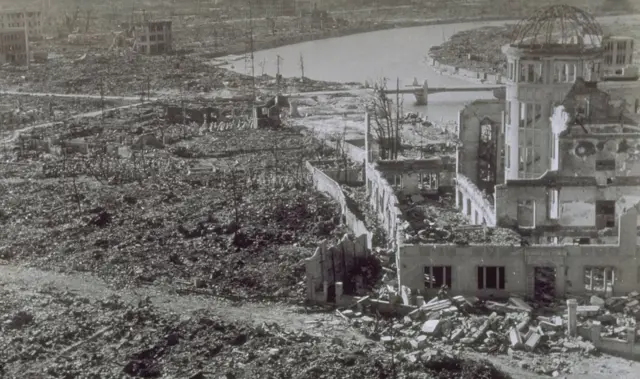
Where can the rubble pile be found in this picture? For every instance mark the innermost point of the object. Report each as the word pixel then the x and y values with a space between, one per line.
pixel 437 221
pixel 615 314
pixel 139 75
pixel 533 336
pixel 62 334
pixel 241 230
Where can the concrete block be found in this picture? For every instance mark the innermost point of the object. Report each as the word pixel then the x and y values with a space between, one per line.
pixel 523 326
pixel 520 304
pixel 416 314
pixel 367 320
pixel 548 326
pixel 632 303
pixel 515 338
pixel 421 341
pixel 528 334
pixel 595 300
pixel 457 335
pixel 588 310
pixel 387 340
pixel 348 313
pixel 431 327
pixel 533 341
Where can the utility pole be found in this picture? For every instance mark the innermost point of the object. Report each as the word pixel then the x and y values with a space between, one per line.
pixel 395 141
pixel 102 98
pixel 301 66
pixel 278 60
pixel 26 38
pixel 253 73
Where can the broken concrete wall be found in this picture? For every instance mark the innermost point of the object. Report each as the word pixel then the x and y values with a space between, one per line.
pixel 474 204
pixel 469 120
pixel 605 157
pixel 331 264
pixel 383 200
pixel 574 202
pixel 355 153
pixel 516 263
pixel 346 176
pixel 628 348
pixel 353 219
pixel 414 176
pixel 569 262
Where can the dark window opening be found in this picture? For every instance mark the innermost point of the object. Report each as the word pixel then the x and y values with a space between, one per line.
pixel 582 241
pixel 491 277
pixel 437 276
pixel 605 214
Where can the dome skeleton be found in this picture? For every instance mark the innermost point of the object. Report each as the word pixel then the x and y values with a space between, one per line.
pixel 567 21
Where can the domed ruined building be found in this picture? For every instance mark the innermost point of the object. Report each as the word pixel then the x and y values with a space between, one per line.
pixel 559 157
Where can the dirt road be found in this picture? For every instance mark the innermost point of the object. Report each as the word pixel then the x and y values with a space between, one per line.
pixel 15 133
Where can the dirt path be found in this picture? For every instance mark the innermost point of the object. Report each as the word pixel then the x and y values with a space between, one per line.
pixel 24 280
pixel 15 133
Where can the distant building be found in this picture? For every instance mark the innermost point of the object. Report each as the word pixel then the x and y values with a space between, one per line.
pixel 618 59
pixel 153 37
pixel 13 46
pixel 10 19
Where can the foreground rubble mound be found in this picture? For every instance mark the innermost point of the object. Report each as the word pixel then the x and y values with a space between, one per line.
pixel 533 337
pixel 63 335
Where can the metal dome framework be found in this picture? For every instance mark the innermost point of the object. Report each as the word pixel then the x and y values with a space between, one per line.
pixel 556 26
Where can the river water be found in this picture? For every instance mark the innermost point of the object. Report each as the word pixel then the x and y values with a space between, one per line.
pixel 395 53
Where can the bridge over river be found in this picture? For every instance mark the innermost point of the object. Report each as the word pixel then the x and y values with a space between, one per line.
pixel 422 92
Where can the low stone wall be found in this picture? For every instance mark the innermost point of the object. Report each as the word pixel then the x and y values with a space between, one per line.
pixel 627 348
pixel 353 219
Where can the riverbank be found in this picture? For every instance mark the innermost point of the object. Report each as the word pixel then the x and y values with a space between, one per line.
pixel 265 42
pixel 477 53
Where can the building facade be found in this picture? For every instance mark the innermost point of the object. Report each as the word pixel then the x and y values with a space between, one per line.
pixel 594 173
pixel 558 164
pixel 13 46
pixel 31 20
pixel 618 58
pixel 153 37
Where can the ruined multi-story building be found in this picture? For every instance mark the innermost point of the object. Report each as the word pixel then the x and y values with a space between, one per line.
pixel 618 59
pixel 550 159
pixel 30 20
pixel 13 46
pixel 153 37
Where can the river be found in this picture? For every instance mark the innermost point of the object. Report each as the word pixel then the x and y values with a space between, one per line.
pixel 395 53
